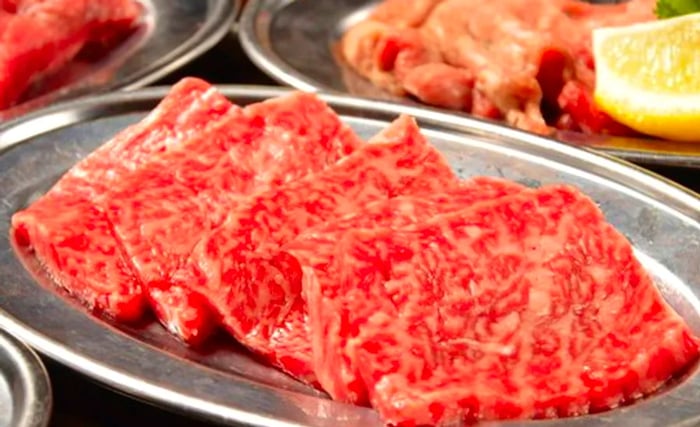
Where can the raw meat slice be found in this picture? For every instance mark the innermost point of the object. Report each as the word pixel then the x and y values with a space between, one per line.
pixel 188 109
pixel 188 191
pixel 441 85
pixel 59 28
pixel 402 14
pixel 527 306
pixel 386 43
pixel 313 249
pixel 73 238
pixel 234 268
pixel 452 54
pixel 577 101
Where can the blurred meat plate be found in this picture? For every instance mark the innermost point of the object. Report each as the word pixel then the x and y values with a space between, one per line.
pixel 225 384
pixel 171 33
pixel 295 42
pixel 25 390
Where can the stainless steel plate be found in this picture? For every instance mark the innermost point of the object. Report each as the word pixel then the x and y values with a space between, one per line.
pixel 25 390
pixel 294 42
pixel 225 384
pixel 173 33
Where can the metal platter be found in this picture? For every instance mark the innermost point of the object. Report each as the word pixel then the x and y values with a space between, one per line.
pixel 172 33
pixel 225 384
pixel 294 42
pixel 25 390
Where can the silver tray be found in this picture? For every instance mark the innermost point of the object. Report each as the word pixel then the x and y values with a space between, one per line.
pixel 225 384
pixel 294 42
pixel 25 390
pixel 173 33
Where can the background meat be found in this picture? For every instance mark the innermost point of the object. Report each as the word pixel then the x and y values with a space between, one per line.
pixel 441 85
pixel 576 101
pixel 530 305
pixel 386 55
pixel 453 54
pixel 59 29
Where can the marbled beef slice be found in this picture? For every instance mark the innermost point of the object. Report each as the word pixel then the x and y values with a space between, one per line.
pixel 235 268
pixel 73 238
pixel 528 306
pixel 190 191
pixel 314 249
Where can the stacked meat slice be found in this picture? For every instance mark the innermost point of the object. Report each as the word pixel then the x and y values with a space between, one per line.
pixel 39 37
pixel 129 214
pixel 526 62
pixel 369 270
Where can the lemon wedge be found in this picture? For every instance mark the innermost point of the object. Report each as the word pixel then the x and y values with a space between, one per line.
pixel 648 76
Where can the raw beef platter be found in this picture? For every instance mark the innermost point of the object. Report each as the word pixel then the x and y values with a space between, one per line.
pixel 366 269
pixel 39 39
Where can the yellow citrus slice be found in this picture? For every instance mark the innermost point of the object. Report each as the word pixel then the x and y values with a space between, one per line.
pixel 648 76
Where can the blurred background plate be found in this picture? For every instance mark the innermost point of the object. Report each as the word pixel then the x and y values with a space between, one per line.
pixel 223 383
pixel 173 33
pixel 25 391
pixel 294 42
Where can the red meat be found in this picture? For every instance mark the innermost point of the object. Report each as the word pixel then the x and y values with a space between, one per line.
pixel 313 249
pixel 233 267
pixel 527 306
pixel 73 238
pixel 404 14
pixel 9 6
pixel 442 86
pixel 41 36
pixel 576 100
pixel 188 191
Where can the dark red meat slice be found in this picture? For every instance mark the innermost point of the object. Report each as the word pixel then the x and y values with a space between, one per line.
pixel 59 29
pixel 73 238
pixel 188 191
pixel 314 248
pixel 9 6
pixel 527 306
pixel 233 267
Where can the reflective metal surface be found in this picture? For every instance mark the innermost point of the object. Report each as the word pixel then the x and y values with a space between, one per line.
pixel 173 33
pixel 25 391
pixel 295 43
pixel 225 384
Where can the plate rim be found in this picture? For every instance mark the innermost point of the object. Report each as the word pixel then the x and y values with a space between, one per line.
pixel 225 12
pixel 37 401
pixel 635 149
pixel 61 115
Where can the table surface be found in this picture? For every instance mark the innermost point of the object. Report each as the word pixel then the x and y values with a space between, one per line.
pixel 80 402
